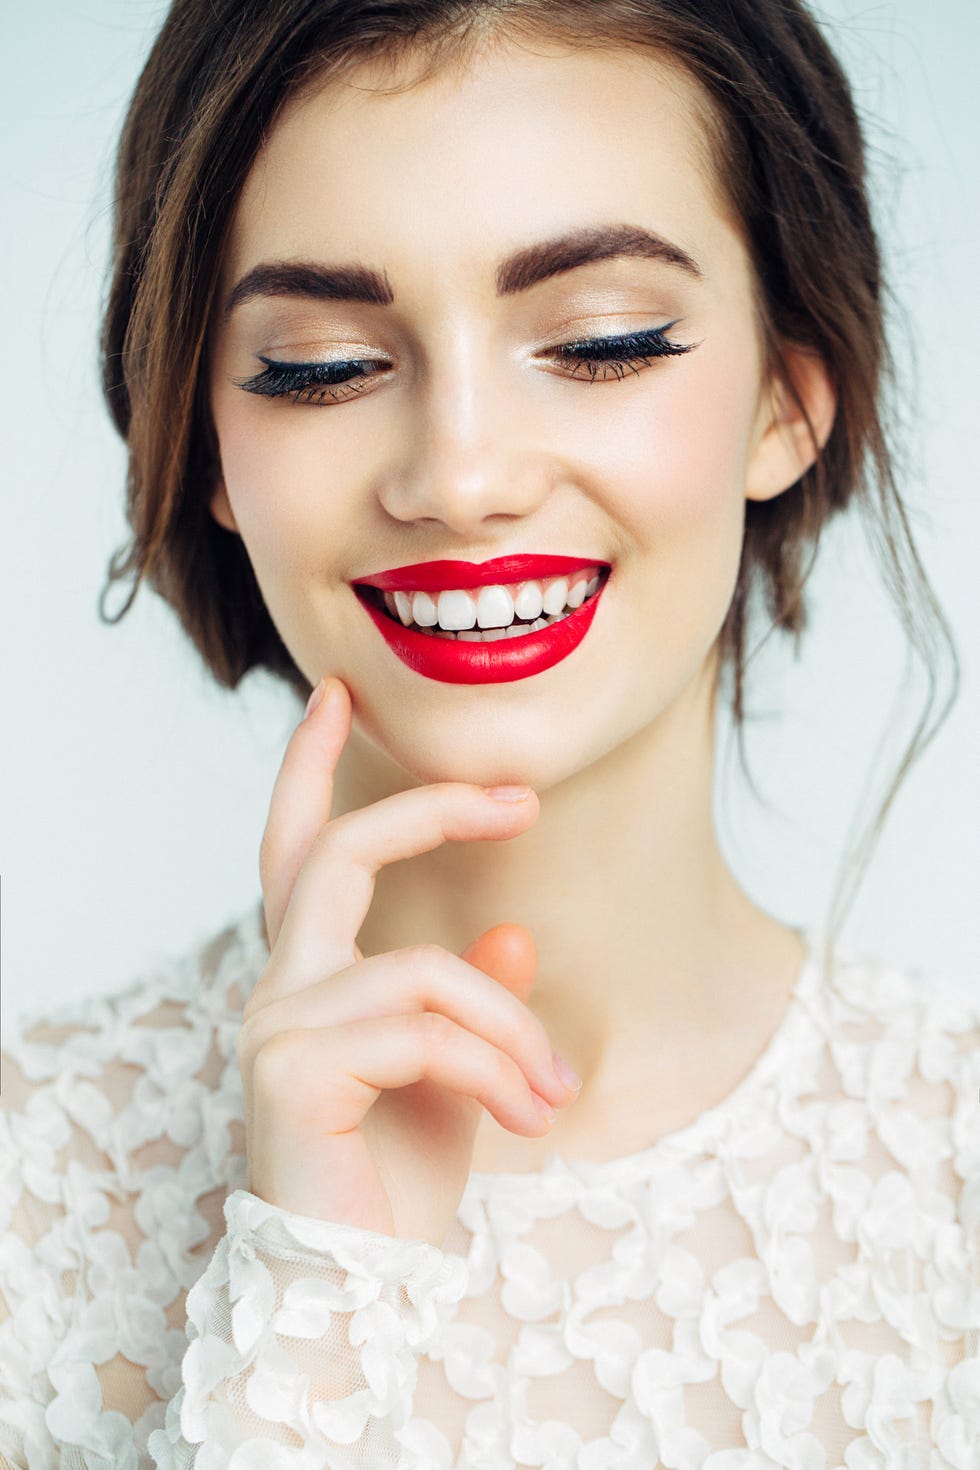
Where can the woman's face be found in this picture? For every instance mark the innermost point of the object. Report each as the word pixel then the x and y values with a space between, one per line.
pixel 465 436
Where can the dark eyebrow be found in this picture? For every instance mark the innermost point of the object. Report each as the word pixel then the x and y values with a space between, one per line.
pixel 525 268
pixel 518 272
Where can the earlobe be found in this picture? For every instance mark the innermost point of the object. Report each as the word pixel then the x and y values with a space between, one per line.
pixel 785 449
pixel 221 507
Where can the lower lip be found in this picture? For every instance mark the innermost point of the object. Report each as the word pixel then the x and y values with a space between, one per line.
pixel 499 662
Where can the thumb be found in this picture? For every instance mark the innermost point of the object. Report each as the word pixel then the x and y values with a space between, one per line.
pixel 506 953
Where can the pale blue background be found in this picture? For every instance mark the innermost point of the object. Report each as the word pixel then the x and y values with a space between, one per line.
pixel 133 792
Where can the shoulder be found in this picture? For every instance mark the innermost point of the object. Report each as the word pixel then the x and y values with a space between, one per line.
pixel 905 1048
pixel 903 1018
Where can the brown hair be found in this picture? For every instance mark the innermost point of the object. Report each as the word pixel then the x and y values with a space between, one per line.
pixel 789 155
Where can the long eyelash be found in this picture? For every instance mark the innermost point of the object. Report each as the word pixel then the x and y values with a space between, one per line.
pixel 629 351
pixel 301 380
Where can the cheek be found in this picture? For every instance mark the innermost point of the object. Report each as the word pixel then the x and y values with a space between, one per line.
pixel 690 450
pixel 277 483
pixel 676 473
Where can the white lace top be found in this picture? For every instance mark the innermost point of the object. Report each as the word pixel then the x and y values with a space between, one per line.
pixel 791 1281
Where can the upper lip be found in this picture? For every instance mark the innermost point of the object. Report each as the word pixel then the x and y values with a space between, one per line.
pixel 439 576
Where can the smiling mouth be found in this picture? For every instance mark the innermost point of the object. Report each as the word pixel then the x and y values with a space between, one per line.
pixel 515 629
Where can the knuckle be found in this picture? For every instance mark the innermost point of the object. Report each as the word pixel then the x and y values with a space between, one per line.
pixel 424 958
pixel 337 831
pixel 271 1060
pixel 277 1060
pixel 437 1029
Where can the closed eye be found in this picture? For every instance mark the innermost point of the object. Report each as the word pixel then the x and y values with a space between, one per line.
pixel 317 382
pixel 623 352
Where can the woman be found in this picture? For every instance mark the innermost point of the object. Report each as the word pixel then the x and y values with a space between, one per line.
pixel 430 321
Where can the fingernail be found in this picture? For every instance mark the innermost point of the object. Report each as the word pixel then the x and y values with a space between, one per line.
pixel 314 699
pixel 547 1112
pixel 564 1073
pixel 508 793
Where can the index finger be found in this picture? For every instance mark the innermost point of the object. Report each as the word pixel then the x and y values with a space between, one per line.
pixel 334 887
pixel 299 808
pixel 319 872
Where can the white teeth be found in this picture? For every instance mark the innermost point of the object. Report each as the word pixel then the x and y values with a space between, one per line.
pixel 527 603
pixel 481 635
pixel 424 610
pixel 490 635
pixel 403 606
pixel 492 609
pixel 555 595
pixel 457 610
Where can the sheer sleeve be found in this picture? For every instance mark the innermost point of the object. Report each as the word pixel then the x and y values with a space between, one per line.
pixel 304 1338
pixel 299 1346
pixel 155 1312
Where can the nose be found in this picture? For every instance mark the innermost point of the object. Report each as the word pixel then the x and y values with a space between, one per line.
pixel 471 453
pixel 462 492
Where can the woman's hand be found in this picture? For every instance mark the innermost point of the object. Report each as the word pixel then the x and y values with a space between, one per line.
pixel 365 1079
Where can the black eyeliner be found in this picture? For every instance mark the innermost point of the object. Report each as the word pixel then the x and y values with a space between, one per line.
pixel 281 379
pixel 650 343
pixel 286 377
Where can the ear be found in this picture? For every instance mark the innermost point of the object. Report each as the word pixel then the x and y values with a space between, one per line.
pixel 221 507
pixel 784 449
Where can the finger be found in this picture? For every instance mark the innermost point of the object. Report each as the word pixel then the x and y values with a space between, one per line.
pixel 334 887
pixel 508 954
pixel 423 978
pixel 324 1082
pixel 302 798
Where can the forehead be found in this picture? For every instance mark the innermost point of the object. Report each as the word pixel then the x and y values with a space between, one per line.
pixel 509 145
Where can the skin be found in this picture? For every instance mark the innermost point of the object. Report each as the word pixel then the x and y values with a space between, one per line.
pixel 659 978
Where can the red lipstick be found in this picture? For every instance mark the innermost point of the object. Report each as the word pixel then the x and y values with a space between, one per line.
pixel 461 661
pixel 438 576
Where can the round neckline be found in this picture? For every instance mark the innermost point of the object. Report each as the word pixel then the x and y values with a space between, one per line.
pixel 680 1141
pixel 690 1138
